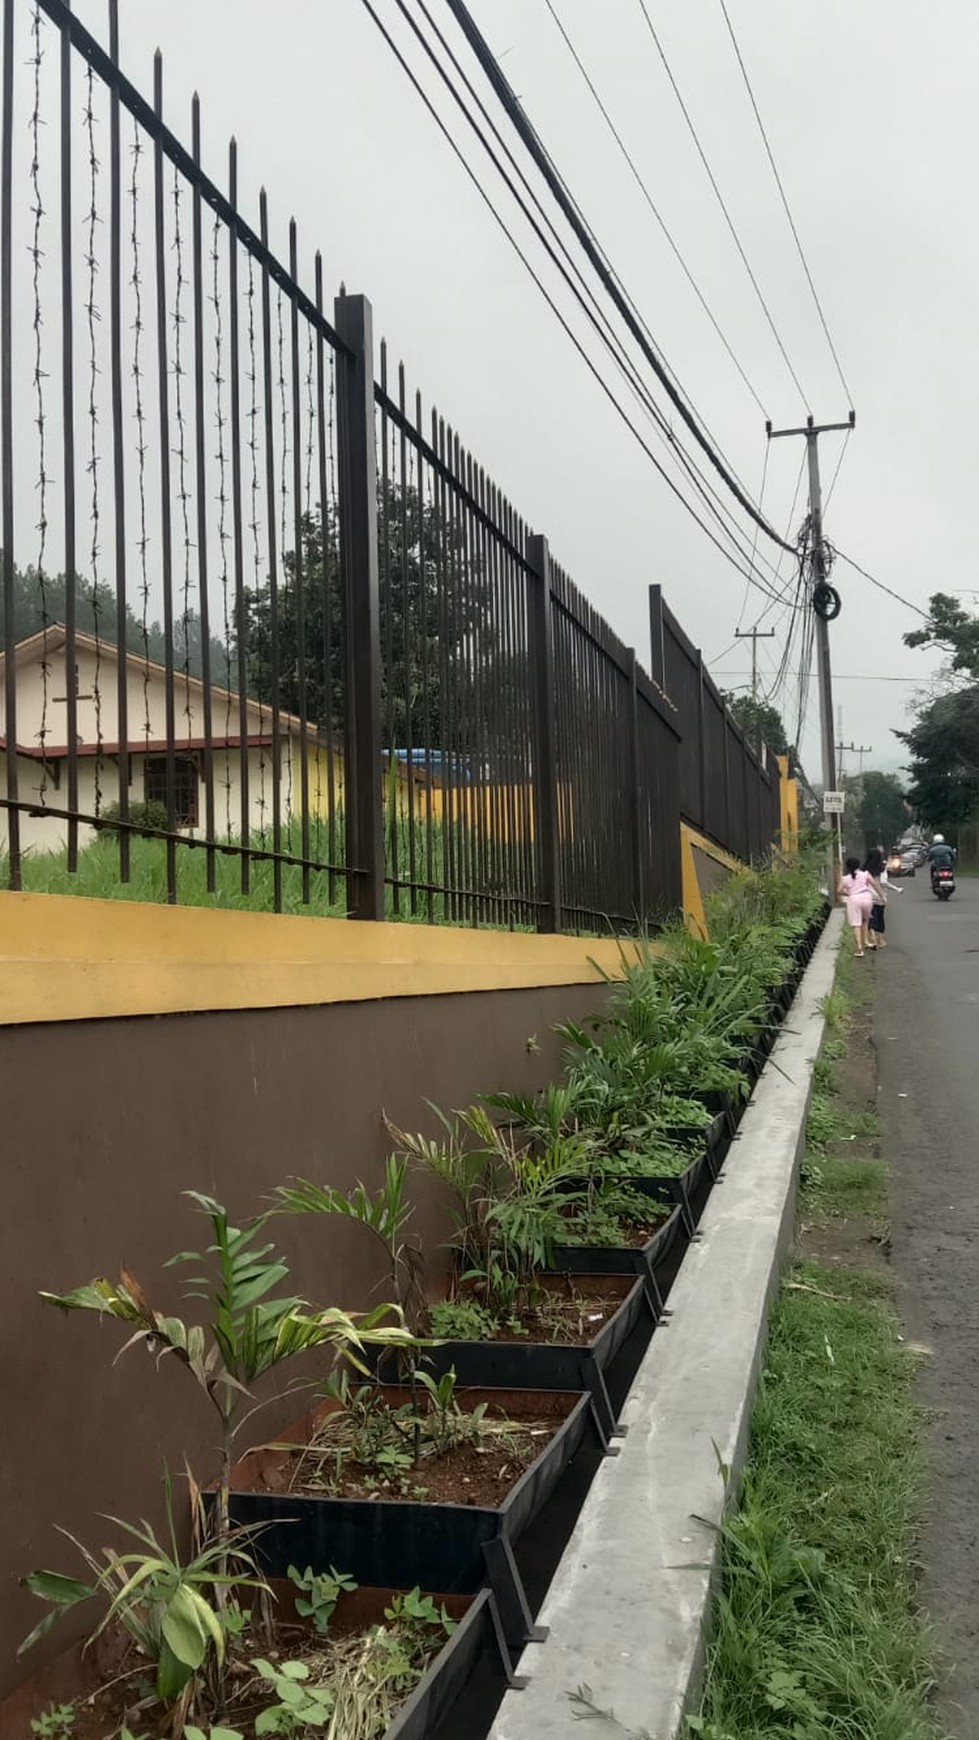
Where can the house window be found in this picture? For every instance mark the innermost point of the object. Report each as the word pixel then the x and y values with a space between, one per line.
pixel 184 787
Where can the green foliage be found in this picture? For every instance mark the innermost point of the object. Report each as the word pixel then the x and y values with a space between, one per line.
pixel 151 815
pixel 944 759
pixel 248 1334
pixel 168 1606
pixel 57 1722
pixel 760 722
pixel 319 1592
pixel 298 1704
pixel 385 1214
pixel 878 808
pixel 462 1320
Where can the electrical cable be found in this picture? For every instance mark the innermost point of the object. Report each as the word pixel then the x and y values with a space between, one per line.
pixel 588 241
pixel 839 468
pixel 576 342
pixel 647 196
pixel 581 290
pixel 843 557
pixel 722 203
pixel 761 509
pixel 785 202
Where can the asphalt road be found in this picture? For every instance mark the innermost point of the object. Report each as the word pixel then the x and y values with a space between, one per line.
pixel 927 1028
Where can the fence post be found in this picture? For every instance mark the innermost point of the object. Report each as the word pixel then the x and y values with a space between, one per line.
pixel 702 740
pixel 635 794
pixel 545 733
pixel 657 657
pixel 363 782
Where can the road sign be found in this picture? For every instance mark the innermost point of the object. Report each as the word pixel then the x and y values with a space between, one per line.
pixel 834 803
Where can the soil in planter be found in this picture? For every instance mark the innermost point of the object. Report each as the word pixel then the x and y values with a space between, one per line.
pixel 479 1471
pixel 570 1318
pixel 111 1687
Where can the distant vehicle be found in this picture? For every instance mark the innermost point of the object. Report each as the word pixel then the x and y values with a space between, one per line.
pixel 902 863
pixel 942 882
pixel 919 852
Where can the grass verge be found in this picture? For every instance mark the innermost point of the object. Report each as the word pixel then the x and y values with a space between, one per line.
pixel 816 1634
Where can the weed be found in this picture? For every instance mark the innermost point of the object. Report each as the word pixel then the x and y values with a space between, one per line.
pixel 462 1320
pixel 319 1593
pixel 57 1722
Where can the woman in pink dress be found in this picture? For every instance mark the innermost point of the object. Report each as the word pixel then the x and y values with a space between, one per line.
pixel 859 889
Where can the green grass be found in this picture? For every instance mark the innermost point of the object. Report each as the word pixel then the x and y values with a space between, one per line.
pixel 98 877
pixel 816 1634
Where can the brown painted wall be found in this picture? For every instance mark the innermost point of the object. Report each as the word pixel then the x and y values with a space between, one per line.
pixel 105 1123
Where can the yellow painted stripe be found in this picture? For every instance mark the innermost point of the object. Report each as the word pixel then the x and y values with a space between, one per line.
pixel 64 958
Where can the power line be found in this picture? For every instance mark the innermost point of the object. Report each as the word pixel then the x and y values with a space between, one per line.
pixel 609 280
pixel 754 544
pixel 785 202
pixel 657 214
pixel 576 342
pixel 580 288
pixel 843 557
pixel 839 467
pixel 574 278
pixel 722 203
pixel 838 676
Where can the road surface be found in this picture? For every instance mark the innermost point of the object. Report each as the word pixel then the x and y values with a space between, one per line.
pixel 927 1026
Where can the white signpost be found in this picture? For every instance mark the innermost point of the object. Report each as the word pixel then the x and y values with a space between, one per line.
pixel 834 803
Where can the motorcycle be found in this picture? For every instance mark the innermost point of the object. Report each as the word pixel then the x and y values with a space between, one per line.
pixel 942 882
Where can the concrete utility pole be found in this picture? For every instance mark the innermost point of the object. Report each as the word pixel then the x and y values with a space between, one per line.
pixel 825 603
pixel 754 635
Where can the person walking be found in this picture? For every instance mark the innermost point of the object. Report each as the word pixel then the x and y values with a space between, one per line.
pixel 875 865
pixel 859 889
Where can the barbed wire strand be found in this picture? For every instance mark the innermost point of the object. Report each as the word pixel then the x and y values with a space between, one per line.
pixel 222 498
pixel 140 416
pixel 180 418
pixel 288 577
pixel 256 526
pixel 40 376
pixel 93 318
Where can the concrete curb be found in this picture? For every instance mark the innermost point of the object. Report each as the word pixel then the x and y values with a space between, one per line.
pixel 628 1608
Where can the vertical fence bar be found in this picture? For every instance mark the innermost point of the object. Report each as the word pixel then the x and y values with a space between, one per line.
pixel 7 438
pixel 68 447
pixel 545 772
pixel 166 528
pixel 635 789
pixel 326 547
pixel 299 570
pixel 359 556
pixel 118 446
pixel 202 565
pixel 237 522
pixel 273 579
pixel 657 659
pixel 702 740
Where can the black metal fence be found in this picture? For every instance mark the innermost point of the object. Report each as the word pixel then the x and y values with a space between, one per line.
pixel 269 633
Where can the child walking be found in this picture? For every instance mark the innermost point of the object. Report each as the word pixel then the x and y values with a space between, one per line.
pixel 860 890
pixel 875 864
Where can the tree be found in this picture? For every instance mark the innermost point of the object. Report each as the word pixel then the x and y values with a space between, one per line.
pixel 760 722
pixel 447 683
pixel 952 629
pixel 880 809
pixel 37 602
pixel 944 766
pixel 944 740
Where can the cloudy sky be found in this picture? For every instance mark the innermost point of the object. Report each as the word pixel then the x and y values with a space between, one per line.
pixel 870 110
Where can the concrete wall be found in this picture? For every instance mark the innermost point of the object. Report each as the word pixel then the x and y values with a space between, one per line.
pixel 105 1123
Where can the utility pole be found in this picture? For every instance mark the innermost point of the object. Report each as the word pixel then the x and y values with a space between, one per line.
pixel 826 605
pixel 754 635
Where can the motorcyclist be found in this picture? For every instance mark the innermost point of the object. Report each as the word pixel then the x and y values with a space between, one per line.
pixel 941 856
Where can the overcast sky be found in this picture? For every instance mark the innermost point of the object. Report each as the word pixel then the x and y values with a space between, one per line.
pixel 870 110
